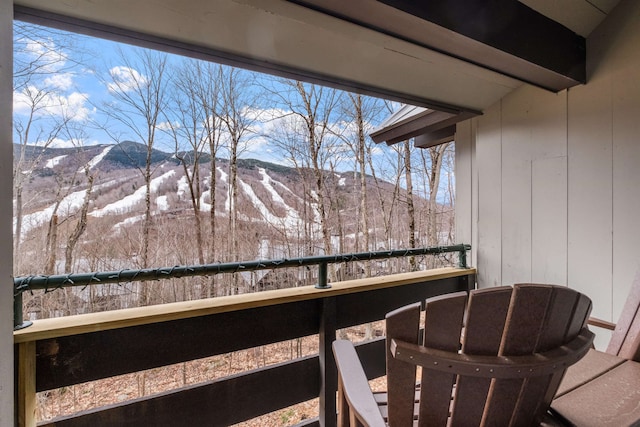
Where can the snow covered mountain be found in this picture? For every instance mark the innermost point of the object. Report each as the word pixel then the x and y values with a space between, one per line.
pixel 274 202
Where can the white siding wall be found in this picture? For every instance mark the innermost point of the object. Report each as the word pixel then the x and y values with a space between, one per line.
pixel 555 193
pixel 6 232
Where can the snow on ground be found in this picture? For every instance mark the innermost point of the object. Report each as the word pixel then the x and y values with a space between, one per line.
pixel 128 202
pixel 183 186
pixel 162 203
pixel 290 221
pixel 292 218
pixel 97 159
pixel 156 182
pixel 69 205
pixel 313 195
pixel 224 177
pixel 257 203
pixel 204 205
pixel 342 182
pixel 128 221
pixel 184 194
pixel 51 163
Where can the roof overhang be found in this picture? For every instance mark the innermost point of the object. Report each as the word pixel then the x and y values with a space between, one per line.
pixel 429 127
pixel 455 56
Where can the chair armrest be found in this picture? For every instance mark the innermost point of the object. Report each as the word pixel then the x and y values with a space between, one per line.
pixel 599 323
pixel 355 385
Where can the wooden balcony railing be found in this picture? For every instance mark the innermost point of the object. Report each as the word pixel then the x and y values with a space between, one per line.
pixel 60 352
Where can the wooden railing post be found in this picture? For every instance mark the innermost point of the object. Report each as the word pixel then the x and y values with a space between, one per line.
pixel 26 398
pixel 328 370
pixel 468 281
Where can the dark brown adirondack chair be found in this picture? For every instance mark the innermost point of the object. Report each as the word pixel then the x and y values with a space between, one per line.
pixel 494 357
pixel 625 340
pixel 602 389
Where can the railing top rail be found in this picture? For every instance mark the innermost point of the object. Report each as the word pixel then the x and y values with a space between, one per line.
pixel 35 282
pixel 53 282
pixel 93 322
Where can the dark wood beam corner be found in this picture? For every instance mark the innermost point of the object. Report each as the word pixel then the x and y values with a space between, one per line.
pixel 504 36
pixel 434 138
pixel 510 27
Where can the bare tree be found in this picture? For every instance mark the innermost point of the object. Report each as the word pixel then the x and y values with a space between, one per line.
pixel 312 108
pixel 359 112
pixel 36 126
pixel 195 127
pixel 40 52
pixel 138 89
pixel 432 160
pixel 210 100
pixel 45 60
pixel 81 224
pixel 387 204
pixel 410 208
pixel 235 86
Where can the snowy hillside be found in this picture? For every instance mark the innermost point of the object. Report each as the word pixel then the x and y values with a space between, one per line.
pixel 274 202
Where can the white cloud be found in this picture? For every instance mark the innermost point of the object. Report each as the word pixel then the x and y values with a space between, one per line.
pixel 125 79
pixel 59 143
pixel 61 81
pixel 50 103
pixel 167 125
pixel 50 58
pixel 75 105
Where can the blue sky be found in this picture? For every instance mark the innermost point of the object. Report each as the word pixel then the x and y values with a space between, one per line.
pixel 76 87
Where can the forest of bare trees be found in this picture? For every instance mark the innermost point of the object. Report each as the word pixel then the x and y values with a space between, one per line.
pixel 337 191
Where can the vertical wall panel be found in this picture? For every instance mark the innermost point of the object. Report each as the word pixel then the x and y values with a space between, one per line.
pixel 548 124
pixel 464 181
pixel 489 160
pixel 625 65
pixel 589 215
pixel 516 218
pixel 516 188
pixel 549 221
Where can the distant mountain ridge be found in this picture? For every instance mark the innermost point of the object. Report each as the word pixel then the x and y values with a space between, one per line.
pixel 129 155
pixel 268 193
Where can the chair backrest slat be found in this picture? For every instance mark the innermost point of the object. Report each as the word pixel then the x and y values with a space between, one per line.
pixel 443 324
pixel 523 328
pixel 486 316
pixel 565 309
pixel 402 324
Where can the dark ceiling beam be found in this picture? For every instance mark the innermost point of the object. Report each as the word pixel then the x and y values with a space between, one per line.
pixel 438 137
pixel 505 36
